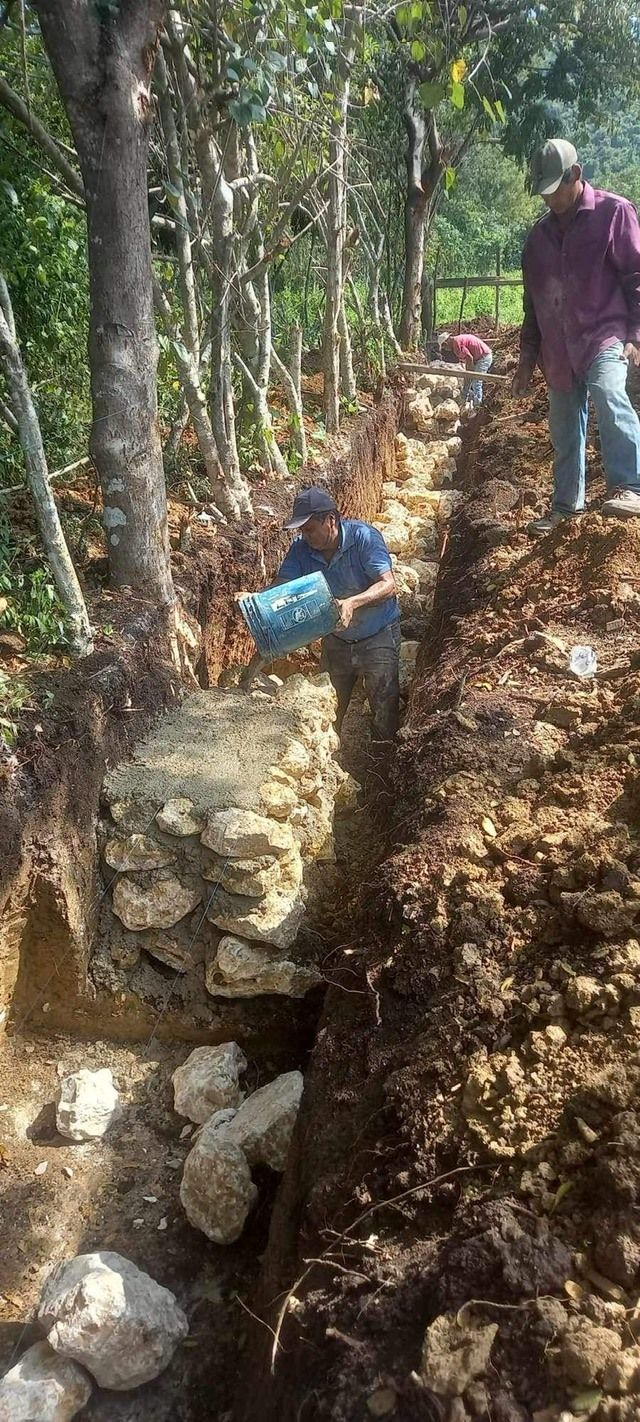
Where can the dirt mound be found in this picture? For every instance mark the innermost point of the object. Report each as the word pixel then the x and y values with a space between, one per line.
pixel 470 1149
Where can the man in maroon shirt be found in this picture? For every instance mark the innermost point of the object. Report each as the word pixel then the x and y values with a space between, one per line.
pixel 581 269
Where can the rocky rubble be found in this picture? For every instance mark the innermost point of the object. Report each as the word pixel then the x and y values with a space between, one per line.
pixel 43 1387
pixel 217 1191
pixel 230 860
pixel 414 507
pixel 87 1104
pixel 107 1315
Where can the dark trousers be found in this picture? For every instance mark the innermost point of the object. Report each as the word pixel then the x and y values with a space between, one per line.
pixel 376 660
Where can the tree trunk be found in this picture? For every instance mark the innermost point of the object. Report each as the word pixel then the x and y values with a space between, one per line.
pixel 347 375
pixel 28 430
pixel 423 178
pixel 103 63
pixel 294 402
pixel 186 275
pixel 337 231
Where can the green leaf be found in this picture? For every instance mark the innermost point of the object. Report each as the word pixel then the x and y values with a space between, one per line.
pixel 449 178
pixel 488 108
pixel 403 16
pixel 457 95
pixel 431 94
pixel 240 110
pixel 278 62
pixel 499 108
pixel 418 50
pixel 463 15
pixel 416 10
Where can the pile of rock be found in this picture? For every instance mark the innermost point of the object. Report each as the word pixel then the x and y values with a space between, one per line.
pixel 229 858
pixel 217 1190
pixel 415 505
pixel 104 1319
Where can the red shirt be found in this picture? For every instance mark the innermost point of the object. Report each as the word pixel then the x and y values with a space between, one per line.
pixel 465 346
pixel 581 286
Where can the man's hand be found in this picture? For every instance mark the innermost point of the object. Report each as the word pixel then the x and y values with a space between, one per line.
pixel 521 380
pixel 347 606
pixel 631 353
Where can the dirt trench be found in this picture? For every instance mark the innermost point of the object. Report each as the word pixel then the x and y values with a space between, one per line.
pixel 457 1238
pixel 64 1012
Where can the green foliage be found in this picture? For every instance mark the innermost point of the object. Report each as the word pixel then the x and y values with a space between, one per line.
pixel 488 208
pixel 31 604
pixel 43 241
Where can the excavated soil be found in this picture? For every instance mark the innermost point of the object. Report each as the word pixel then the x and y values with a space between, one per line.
pixel 470 1140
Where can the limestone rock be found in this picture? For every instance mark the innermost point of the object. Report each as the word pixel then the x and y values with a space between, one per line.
pixel 455 1353
pixel 217 1191
pixel 427 573
pixel 242 969
pixel 160 902
pixel 179 817
pixel 448 412
pixel 277 800
pixel 263 1126
pixel 43 1387
pixel 241 834
pixel 132 816
pixel 276 918
pixel 87 1105
pixel 172 951
pixel 104 1312
pixel 586 1350
pixel 137 852
pixel 296 760
pixel 251 877
pixel 209 1081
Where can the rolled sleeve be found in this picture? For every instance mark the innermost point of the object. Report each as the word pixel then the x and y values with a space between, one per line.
pixel 624 253
pixel 374 554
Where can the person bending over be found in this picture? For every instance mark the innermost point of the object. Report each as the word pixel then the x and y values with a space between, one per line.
pixel 356 563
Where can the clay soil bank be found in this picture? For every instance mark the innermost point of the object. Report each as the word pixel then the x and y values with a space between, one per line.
pixel 469 1147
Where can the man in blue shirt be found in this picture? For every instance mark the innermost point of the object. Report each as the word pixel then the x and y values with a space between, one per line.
pixel 357 566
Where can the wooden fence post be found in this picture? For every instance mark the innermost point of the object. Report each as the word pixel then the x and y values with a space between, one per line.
pixel 498 276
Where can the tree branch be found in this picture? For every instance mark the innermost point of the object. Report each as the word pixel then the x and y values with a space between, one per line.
pixel 16 106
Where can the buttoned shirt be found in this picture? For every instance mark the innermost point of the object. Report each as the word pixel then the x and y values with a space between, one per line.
pixel 581 286
pixel 360 560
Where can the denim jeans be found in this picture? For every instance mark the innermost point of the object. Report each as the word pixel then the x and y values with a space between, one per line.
pixel 472 390
pixel 606 383
pixel 376 659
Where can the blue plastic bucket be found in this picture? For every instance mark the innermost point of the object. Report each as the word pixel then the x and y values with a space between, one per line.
pixel 290 616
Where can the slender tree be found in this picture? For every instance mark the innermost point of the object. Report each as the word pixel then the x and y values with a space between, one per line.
pixel 102 53
pixel 22 419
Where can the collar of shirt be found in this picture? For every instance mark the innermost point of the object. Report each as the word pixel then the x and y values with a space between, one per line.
pixel 345 539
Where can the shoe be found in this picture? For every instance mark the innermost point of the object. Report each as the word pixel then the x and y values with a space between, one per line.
pixel 624 503
pixel 549 521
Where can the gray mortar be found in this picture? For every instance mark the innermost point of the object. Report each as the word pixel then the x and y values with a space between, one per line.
pixel 216 750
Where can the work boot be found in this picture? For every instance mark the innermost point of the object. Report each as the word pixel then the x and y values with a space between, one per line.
pixel 624 503
pixel 549 521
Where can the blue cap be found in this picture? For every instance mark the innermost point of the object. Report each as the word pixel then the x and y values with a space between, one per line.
pixel 311 503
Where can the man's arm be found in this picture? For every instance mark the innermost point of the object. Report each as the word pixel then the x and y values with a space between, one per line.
pixel 624 253
pixel 376 563
pixel 530 339
pixel 378 592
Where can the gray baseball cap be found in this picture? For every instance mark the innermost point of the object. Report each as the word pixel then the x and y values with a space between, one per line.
pixel 549 164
